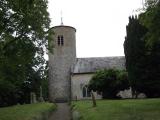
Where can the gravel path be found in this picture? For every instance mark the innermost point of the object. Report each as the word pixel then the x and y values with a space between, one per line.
pixel 62 113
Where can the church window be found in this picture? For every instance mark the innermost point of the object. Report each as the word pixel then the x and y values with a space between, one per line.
pixel 88 93
pixel 85 91
pixel 60 40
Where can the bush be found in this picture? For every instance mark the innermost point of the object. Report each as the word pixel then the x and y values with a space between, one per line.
pixel 109 82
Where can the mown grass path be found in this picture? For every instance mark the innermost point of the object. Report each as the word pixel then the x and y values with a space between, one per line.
pixel 146 109
pixel 26 112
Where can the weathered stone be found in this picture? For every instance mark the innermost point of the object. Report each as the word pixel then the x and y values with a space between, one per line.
pixel 125 93
pixel 76 115
pixel 33 98
pixel 60 64
pixel 141 95
pixel 41 95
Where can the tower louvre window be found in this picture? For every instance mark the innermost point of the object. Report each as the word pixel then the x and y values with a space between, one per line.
pixel 60 40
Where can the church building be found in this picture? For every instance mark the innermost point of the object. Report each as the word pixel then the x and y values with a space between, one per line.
pixel 68 75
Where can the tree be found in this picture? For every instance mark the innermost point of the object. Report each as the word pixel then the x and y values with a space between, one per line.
pixel 44 83
pixel 142 48
pixel 151 20
pixel 24 26
pixel 134 49
pixel 109 82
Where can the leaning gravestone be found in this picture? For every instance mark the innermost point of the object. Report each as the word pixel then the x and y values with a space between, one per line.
pixel 93 99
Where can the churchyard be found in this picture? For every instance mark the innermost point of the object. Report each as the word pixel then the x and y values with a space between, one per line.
pixel 129 109
pixel 28 80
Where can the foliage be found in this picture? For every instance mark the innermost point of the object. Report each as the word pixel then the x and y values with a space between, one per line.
pixel 151 20
pixel 23 36
pixel 27 111
pixel 134 49
pixel 150 3
pixel 142 48
pixel 109 82
pixel 146 109
pixel 44 83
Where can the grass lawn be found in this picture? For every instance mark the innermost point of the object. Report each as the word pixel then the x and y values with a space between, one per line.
pixel 144 109
pixel 26 112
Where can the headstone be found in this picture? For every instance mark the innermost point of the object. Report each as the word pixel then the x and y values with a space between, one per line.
pixel 76 115
pixel 125 93
pixel 33 97
pixel 41 95
pixel 93 99
pixel 141 95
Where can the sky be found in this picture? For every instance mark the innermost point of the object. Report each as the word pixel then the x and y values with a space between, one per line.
pixel 100 24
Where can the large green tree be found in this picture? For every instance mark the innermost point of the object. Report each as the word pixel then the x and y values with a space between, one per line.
pixel 109 82
pixel 151 20
pixel 24 26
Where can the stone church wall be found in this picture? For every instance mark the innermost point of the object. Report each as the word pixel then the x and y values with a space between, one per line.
pixel 78 82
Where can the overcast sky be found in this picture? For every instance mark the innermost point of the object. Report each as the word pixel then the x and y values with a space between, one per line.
pixel 100 24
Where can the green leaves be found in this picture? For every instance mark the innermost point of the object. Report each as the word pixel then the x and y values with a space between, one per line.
pixel 23 40
pixel 151 19
pixel 109 82
pixel 142 48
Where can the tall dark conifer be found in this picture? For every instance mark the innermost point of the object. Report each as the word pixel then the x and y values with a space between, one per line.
pixel 134 49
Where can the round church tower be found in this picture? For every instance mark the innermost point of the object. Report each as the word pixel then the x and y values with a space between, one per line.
pixel 60 63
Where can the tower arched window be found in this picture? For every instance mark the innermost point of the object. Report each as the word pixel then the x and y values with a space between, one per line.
pixel 60 40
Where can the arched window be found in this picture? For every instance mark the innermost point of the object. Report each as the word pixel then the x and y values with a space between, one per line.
pixel 88 92
pixel 60 40
pixel 85 91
